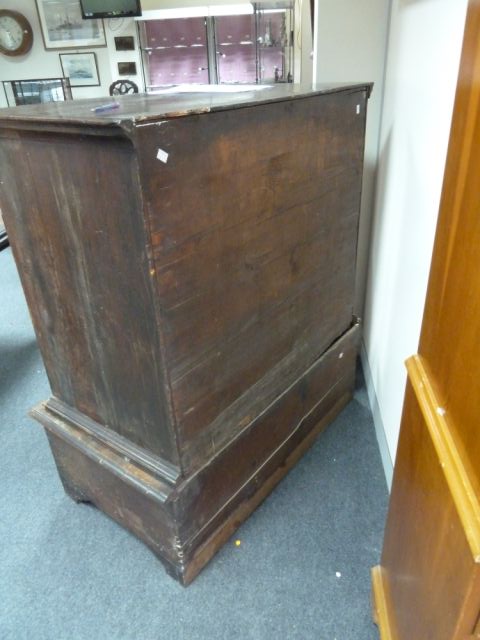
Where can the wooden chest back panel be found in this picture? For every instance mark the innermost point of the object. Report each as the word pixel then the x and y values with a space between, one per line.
pixel 72 205
pixel 253 222
pixel 189 266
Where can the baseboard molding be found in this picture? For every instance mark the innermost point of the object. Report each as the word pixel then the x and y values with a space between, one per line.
pixel 377 418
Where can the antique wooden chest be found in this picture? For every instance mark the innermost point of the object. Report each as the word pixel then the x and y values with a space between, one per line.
pixel 189 265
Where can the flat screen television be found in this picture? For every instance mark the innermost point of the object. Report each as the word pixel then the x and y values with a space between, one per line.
pixel 110 8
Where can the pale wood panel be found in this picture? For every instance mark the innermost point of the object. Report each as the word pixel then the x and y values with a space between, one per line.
pixel 427 561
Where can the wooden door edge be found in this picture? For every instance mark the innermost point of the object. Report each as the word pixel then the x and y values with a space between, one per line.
pixel 382 610
pixel 456 474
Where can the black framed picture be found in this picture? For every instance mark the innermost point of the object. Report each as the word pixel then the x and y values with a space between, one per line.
pixel 81 69
pixel 37 91
pixel 3 233
pixel 127 69
pixel 124 43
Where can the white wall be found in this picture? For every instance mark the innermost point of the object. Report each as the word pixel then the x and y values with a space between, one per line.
pixel 304 38
pixel 349 46
pixel 422 66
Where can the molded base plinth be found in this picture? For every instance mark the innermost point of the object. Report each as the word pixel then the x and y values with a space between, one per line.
pixel 185 519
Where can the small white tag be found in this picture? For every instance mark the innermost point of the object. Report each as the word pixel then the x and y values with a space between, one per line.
pixel 162 155
pixel 358 109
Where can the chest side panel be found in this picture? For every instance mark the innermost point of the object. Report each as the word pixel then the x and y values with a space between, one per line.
pixel 71 206
pixel 253 217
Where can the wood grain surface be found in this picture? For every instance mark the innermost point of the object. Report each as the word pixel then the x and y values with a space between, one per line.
pixel 189 265
pixel 144 108
pixel 254 260
pixel 431 562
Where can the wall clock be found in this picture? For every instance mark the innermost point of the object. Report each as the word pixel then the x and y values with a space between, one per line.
pixel 16 35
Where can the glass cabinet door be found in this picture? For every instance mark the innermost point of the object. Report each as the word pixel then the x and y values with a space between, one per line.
pixel 254 47
pixel 275 43
pixel 174 51
pixel 235 49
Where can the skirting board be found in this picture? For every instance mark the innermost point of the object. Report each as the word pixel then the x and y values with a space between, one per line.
pixel 377 418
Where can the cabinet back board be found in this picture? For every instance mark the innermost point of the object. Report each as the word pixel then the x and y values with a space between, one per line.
pixel 253 225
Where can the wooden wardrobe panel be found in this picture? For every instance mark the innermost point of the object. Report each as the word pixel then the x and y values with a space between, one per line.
pixel 428 583
pixel 427 565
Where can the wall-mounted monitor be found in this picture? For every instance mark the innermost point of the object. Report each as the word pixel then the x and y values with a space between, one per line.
pixel 110 8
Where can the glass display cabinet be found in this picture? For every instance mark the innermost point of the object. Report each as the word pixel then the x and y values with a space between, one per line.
pixel 174 51
pixel 275 31
pixel 235 49
pixel 253 44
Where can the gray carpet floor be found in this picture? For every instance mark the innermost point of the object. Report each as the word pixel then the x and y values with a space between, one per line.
pixel 69 572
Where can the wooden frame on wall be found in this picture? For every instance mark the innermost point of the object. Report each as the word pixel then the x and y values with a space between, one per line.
pixel 63 27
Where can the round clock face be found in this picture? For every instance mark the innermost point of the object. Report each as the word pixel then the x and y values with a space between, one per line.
pixel 16 35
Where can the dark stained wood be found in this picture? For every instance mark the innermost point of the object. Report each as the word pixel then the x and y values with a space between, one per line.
pixel 185 523
pixel 430 567
pixel 194 314
pixel 287 420
pixel 249 251
pixel 148 108
pixel 81 252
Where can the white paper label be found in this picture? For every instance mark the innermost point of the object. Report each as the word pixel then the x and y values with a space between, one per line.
pixel 358 109
pixel 162 155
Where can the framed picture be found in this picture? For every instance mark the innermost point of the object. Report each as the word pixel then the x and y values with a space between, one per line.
pixel 80 68
pixel 36 91
pixel 63 27
pixel 127 69
pixel 124 43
